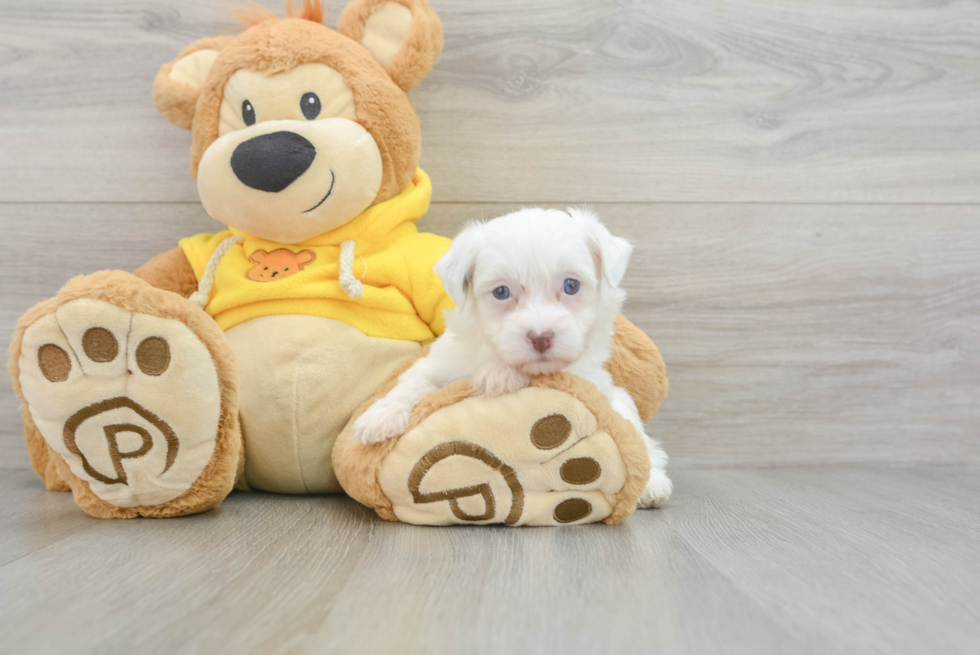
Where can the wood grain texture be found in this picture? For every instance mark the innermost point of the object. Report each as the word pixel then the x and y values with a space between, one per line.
pixel 556 100
pixel 814 331
pixel 812 560
pixel 792 334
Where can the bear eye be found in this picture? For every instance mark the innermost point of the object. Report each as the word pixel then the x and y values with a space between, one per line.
pixel 571 286
pixel 310 104
pixel 248 113
pixel 501 293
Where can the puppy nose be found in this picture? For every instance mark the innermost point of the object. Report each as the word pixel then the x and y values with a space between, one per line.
pixel 541 340
pixel 271 162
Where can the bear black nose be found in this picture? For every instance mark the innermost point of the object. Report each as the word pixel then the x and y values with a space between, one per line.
pixel 271 162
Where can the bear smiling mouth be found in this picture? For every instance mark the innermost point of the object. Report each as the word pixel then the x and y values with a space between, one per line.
pixel 333 179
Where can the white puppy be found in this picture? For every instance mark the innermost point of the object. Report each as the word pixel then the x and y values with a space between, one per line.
pixel 536 292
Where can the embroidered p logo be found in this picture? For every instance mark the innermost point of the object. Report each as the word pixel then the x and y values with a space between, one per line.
pixel 83 426
pixel 481 454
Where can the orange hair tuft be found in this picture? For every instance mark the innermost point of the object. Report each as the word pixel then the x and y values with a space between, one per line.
pixel 312 10
pixel 254 13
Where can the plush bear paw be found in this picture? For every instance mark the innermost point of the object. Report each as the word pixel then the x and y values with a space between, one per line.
pixel 130 401
pixel 541 455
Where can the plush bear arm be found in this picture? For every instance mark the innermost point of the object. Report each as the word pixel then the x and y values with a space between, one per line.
pixel 637 366
pixel 169 271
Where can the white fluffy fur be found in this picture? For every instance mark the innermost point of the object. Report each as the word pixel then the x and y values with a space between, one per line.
pixel 488 341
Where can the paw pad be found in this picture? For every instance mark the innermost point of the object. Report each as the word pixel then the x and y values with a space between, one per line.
pixel 153 356
pixel 550 432
pixel 100 345
pixel 580 470
pixel 571 510
pixel 54 362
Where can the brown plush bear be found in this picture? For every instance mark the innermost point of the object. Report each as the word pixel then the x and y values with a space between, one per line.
pixel 240 357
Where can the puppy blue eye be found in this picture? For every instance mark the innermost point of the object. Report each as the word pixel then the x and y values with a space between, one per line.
pixel 572 286
pixel 501 293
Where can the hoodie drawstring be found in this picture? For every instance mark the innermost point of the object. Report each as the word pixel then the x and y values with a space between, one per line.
pixel 350 284
pixel 203 293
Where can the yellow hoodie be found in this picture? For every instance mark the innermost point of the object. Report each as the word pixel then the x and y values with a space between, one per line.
pixel 402 297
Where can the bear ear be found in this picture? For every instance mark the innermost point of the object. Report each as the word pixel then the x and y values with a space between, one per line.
pixel 178 84
pixel 258 256
pixel 405 36
pixel 305 257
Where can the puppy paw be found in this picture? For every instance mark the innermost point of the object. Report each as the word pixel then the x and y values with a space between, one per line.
pixel 657 490
pixel 498 380
pixel 383 420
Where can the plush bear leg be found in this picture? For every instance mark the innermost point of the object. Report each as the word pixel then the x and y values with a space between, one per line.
pixel 130 398
pixel 550 454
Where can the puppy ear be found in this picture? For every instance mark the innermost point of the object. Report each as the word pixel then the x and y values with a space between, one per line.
pixel 611 252
pixel 455 268
pixel 178 84
pixel 405 36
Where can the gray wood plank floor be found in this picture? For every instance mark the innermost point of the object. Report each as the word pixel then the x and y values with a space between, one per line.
pixel 792 560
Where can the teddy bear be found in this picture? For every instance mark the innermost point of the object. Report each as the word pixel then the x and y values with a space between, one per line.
pixel 239 359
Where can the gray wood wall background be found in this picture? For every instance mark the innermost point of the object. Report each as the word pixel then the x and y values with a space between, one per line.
pixel 801 180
